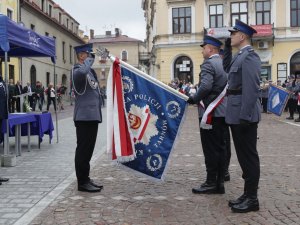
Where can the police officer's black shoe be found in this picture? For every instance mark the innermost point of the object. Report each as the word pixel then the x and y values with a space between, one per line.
pixel 209 188
pixel 290 118
pixel 93 183
pixel 87 187
pixel 0 183
pixel 249 204
pixel 227 176
pixel 237 201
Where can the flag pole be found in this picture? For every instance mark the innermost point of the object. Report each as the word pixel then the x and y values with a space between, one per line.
pixel 104 53
pixel 149 78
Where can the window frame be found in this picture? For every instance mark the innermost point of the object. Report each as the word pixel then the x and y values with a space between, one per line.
pixel 239 13
pixel 263 12
pixel 297 14
pixel 216 16
pixel 179 18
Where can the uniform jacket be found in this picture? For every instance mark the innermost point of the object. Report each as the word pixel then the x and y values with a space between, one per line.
pixel 87 93
pixel 3 100
pixel 243 74
pixel 213 80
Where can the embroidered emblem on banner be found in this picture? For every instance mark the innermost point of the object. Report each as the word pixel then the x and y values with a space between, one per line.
pixel 142 124
pixel 127 84
pixel 154 162
pixel 173 109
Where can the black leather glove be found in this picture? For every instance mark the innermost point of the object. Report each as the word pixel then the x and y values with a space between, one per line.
pixel 92 55
pixel 228 42
pixel 190 100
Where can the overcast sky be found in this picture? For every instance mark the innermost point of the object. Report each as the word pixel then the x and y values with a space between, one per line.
pixel 102 15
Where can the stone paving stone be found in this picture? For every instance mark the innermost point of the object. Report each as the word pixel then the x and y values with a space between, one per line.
pixel 130 199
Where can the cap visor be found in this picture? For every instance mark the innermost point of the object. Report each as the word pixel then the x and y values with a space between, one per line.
pixel 233 30
pixel 202 45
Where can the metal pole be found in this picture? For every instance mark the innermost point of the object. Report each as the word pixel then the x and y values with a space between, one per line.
pixel 56 122
pixel 6 137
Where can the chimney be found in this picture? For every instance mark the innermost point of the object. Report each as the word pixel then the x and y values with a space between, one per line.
pixel 92 34
pixel 108 33
pixel 117 31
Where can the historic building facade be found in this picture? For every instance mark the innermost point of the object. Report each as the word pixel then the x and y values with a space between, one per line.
pixel 175 29
pixel 128 49
pixel 49 19
pixel 10 8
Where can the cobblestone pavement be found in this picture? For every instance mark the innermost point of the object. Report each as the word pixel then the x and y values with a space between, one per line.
pixel 129 199
pixel 41 174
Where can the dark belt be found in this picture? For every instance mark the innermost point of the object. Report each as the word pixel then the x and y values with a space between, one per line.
pixel 234 92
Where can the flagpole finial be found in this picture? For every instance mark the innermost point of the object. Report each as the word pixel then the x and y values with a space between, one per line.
pixel 103 52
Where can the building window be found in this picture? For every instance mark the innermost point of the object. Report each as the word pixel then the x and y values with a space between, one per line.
pixel 47 78
pixel 63 51
pixel 216 16
pixel 32 27
pixel 11 71
pixel 181 18
pixel 71 54
pixel 10 14
pixel 33 75
pixel 67 23
pixel 239 10
pixel 72 26
pixel 263 12
pixel 124 55
pixel 59 18
pixel 47 34
pixel 43 3
pixel 295 13
pixel 50 10
pixel 183 69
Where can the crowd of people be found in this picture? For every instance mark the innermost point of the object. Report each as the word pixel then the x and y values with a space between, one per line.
pixel 37 96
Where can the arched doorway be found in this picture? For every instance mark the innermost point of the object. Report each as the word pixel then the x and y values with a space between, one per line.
pixel 32 75
pixel 295 64
pixel 183 69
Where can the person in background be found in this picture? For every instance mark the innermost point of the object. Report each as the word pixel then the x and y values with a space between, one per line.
pixel 51 96
pixel 39 92
pixel 87 115
pixel 28 89
pixel 18 91
pixel 293 99
pixel 11 96
pixel 3 112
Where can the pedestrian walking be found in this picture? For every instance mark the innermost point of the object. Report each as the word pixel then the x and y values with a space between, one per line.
pixel 213 80
pixel 87 115
pixel 243 111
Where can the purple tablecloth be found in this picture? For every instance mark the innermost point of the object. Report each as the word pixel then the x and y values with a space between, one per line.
pixel 40 124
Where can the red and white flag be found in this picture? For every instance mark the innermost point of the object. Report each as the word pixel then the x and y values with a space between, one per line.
pixel 121 146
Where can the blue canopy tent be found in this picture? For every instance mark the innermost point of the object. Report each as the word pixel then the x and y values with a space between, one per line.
pixel 18 41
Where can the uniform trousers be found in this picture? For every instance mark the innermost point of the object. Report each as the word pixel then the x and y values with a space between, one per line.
pixel 228 147
pixel 245 141
pixel 86 133
pixel 214 149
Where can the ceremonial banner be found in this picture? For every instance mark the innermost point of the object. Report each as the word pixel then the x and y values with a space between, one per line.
pixel 144 118
pixel 277 99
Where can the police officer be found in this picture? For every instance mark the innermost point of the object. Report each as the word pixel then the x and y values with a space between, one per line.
pixel 3 112
pixel 87 115
pixel 243 111
pixel 212 82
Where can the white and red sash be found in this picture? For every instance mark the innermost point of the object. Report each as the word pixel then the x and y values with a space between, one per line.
pixel 206 121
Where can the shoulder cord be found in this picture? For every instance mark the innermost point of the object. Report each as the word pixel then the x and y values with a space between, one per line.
pixel 82 93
